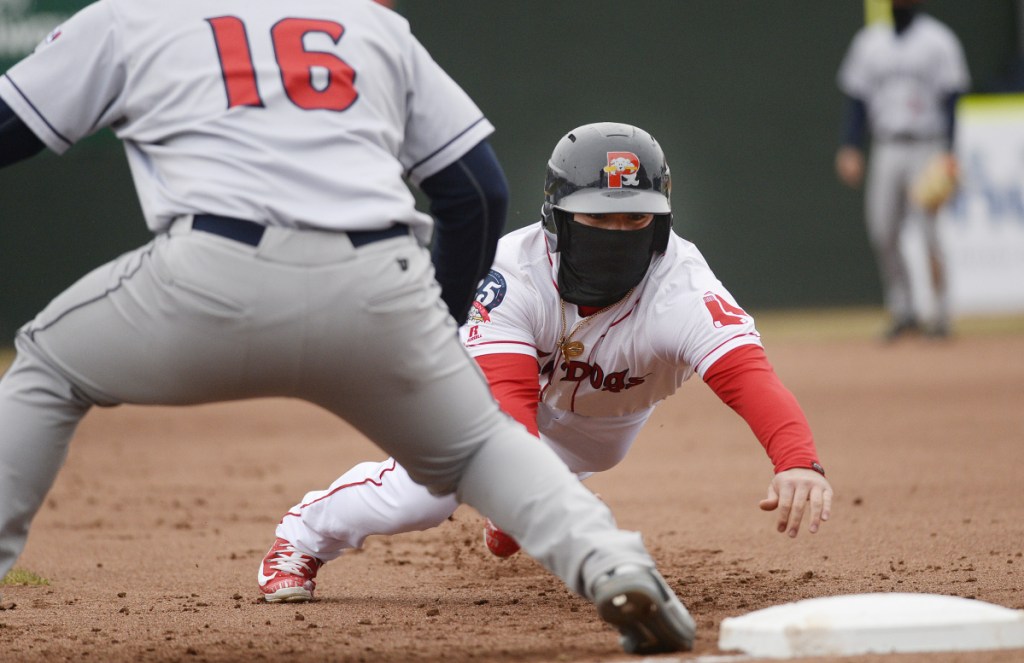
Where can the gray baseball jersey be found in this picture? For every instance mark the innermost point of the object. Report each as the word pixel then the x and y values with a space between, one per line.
pixel 193 90
pixel 904 80
pixel 295 122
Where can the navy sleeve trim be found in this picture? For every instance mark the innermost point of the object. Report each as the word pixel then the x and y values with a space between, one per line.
pixel 949 111
pixel 441 149
pixel 855 122
pixel 37 112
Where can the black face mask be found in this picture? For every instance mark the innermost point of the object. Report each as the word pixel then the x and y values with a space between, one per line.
pixel 599 266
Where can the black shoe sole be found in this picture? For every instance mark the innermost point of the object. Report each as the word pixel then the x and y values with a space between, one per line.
pixel 636 606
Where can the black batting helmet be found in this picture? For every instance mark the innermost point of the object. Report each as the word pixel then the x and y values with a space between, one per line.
pixel 603 168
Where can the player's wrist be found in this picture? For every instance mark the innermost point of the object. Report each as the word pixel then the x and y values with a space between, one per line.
pixel 809 465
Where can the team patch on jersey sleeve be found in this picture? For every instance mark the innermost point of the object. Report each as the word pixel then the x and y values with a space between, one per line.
pixel 489 295
pixel 722 312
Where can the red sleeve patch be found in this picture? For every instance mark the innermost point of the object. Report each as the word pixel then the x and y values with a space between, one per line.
pixel 722 312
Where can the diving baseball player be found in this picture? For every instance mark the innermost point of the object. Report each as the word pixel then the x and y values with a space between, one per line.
pixel 270 146
pixel 902 82
pixel 587 321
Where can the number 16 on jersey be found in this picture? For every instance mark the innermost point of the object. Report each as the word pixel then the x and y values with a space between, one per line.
pixel 313 80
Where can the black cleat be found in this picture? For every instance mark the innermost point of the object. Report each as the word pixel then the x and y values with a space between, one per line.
pixel 639 603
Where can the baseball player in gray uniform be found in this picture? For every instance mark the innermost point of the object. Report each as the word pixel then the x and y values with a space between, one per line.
pixel 901 82
pixel 270 146
pixel 587 321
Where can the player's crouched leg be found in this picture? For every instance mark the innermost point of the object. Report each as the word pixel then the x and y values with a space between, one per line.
pixel 39 409
pixel 539 502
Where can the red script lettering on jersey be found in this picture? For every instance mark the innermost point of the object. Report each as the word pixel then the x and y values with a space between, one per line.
pixel 578 371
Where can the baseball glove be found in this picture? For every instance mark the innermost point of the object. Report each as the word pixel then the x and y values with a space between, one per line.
pixel 936 184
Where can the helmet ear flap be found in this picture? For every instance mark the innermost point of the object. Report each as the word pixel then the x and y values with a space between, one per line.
pixel 555 222
pixel 662 230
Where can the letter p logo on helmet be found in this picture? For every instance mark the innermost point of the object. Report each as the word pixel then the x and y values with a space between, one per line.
pixel 622 169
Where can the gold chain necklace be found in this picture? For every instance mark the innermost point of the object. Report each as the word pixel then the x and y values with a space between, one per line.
pixel 572 349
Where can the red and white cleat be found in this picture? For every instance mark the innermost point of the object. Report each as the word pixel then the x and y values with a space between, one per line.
pixel 287 575
pixel 499 543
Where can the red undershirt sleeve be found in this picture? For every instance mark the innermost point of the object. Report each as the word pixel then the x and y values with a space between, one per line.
pixel 514 384
pixel 746 382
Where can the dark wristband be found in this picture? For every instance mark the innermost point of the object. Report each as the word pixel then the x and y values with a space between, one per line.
pixel 818 468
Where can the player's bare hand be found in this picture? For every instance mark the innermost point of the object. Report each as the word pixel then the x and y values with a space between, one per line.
pixel 850 166
pixel 791 492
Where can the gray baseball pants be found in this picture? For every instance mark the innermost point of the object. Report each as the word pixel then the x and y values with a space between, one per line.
pixel 194 317
pixel 894 166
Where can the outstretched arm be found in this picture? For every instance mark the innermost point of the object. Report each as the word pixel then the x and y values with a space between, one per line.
pixel 746 382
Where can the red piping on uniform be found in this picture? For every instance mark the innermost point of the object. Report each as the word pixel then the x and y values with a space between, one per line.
pixel 551 261
pixel 590 357
pixel 572 401
pixel 480 345
pixel 626 315
pixel 379 482
pixel 717 347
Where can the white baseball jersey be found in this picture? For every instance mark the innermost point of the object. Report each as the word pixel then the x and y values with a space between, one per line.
pixel 904 79
pixel 342 65
pixel 678 321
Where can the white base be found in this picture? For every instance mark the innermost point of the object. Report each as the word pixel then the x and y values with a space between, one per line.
pixel 873 623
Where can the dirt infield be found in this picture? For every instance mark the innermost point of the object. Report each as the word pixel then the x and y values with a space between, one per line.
pixel 151 537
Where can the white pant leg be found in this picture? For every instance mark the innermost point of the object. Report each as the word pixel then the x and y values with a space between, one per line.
pixel 371 498
pixel 382 499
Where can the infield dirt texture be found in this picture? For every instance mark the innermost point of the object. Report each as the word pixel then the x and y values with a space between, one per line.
pixel 151 537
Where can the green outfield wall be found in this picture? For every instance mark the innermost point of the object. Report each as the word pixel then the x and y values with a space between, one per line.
pixel 741 94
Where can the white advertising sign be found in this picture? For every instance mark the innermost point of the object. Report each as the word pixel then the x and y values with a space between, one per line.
pixel 983 226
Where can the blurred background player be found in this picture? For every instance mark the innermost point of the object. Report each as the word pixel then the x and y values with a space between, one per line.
pixel 587 321
pixel 901 82
pixel 270 154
